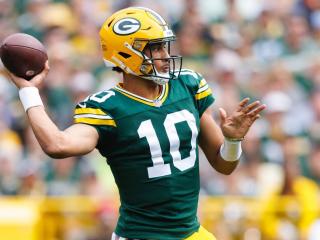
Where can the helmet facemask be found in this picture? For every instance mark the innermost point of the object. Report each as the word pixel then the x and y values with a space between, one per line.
pixel 148 68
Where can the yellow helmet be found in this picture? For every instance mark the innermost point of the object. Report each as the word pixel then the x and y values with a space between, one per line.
pixel 125 34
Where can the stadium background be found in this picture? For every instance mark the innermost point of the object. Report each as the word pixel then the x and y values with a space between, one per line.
pixel 265 49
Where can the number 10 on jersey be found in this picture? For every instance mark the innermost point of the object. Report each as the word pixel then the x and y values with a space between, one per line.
pixel 146 130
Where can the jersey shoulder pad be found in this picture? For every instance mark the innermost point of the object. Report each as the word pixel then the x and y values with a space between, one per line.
pixel 190 77
pixel 195 82
pixel 94 110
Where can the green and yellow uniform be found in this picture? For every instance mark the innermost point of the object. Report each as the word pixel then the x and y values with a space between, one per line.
pixel 152 149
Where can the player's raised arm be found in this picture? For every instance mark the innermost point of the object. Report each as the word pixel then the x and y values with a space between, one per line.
pixel 222 146
pixel 78 139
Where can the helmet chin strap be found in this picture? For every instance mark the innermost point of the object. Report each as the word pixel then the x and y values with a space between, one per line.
pixel 161 80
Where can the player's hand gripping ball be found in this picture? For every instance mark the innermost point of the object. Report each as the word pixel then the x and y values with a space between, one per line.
pixel 23 55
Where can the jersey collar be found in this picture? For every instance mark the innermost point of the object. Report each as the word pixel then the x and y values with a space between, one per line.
pixel 155 103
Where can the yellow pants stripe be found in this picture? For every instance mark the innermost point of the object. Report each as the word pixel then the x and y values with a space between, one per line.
pixel 201 234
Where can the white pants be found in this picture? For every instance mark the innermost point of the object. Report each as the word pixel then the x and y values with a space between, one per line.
pixel 116 237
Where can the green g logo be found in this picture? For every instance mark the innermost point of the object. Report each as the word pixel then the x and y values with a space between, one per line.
pixel 126 26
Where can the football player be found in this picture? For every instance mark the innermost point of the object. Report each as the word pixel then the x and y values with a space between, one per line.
pixel 148 127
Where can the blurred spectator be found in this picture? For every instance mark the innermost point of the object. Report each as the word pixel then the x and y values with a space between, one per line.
pixel 274 126
pixel 31 183
pixel 312 170
pixel 295 213
pixel 62 176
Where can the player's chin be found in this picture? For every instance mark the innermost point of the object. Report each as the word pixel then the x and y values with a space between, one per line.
pixel 164 70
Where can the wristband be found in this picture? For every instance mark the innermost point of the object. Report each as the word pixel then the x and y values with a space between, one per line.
pixel 30 97
pixel 231 150
pixel 234 139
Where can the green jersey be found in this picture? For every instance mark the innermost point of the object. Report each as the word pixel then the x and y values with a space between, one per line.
pixel 152 149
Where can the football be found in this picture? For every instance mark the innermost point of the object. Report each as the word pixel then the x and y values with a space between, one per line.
pixel 23 55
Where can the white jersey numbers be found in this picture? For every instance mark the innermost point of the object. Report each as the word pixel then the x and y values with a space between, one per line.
pixel 146 130
pixel 101 99
pixel 169 124
pixel 159 168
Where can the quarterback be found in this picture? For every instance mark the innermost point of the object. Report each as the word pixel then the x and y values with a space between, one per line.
pixel 148 128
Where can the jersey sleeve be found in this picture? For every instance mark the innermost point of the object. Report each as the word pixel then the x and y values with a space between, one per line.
pixel 92 113
pixel 203 96
pixel 201 91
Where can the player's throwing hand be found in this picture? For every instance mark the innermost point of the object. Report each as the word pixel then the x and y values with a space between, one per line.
pixel 34 82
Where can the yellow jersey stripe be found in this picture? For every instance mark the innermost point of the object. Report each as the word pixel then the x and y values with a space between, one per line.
pixel 89 111
pixel 92 121
pixel 202 89
pixel 202 82
pixel 165 94
pixel 203 94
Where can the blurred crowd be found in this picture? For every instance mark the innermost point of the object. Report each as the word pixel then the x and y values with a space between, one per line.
pixel 268 50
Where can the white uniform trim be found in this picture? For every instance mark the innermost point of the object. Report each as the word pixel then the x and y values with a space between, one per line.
pixel 89 115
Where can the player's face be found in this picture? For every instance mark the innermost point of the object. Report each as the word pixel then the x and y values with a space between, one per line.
pixel 159 53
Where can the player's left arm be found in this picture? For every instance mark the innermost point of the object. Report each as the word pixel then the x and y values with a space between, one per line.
pixel 222 145
pixel 211 139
